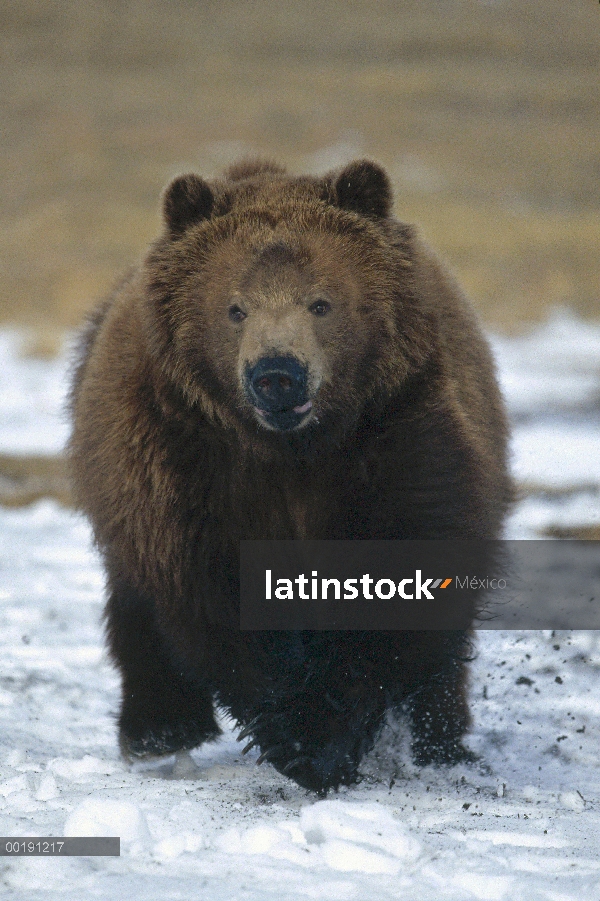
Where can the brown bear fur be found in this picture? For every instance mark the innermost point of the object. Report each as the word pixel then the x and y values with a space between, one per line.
pixel 401 434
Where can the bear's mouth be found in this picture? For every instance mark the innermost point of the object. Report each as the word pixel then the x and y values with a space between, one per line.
pixel 285 420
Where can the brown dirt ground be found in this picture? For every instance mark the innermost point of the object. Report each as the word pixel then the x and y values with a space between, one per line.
pixel 485 113
pixel 27 478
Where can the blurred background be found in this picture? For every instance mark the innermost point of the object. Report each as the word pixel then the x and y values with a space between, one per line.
pixel 486 115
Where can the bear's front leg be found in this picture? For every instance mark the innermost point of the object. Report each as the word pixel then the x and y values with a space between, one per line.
pixel 163 708
pixel 320 751
pixel 318 733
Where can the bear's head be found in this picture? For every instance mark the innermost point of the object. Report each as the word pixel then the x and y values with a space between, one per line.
pixel 283 304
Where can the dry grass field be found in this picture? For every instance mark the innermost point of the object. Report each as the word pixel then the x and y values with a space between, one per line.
pixel 485 113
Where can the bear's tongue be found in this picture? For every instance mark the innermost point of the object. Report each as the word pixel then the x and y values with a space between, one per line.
pixel 304 408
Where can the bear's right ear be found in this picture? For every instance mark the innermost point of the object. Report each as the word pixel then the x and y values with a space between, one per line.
pixel 187 200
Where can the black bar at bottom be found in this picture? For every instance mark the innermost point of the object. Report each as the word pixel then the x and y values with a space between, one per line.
pixel 61 846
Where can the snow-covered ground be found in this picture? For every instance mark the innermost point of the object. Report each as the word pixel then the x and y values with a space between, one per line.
pixel 215 826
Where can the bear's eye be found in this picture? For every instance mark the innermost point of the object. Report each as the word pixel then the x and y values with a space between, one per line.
pixel 236 314
pixel 320 307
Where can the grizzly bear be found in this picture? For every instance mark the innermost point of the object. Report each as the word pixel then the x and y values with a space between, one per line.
pixel 288 362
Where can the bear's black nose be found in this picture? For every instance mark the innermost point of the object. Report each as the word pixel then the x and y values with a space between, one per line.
pixel 277 383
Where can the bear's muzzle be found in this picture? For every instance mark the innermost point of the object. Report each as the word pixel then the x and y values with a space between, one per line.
pixel 277 388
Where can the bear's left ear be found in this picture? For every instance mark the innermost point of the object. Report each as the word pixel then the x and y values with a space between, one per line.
pixel 187 200
pixel 363 187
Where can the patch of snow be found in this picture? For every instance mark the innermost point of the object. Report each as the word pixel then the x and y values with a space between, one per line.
pixel 557 454
pixel 556 366
pixel 32 400
pixel 97 816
